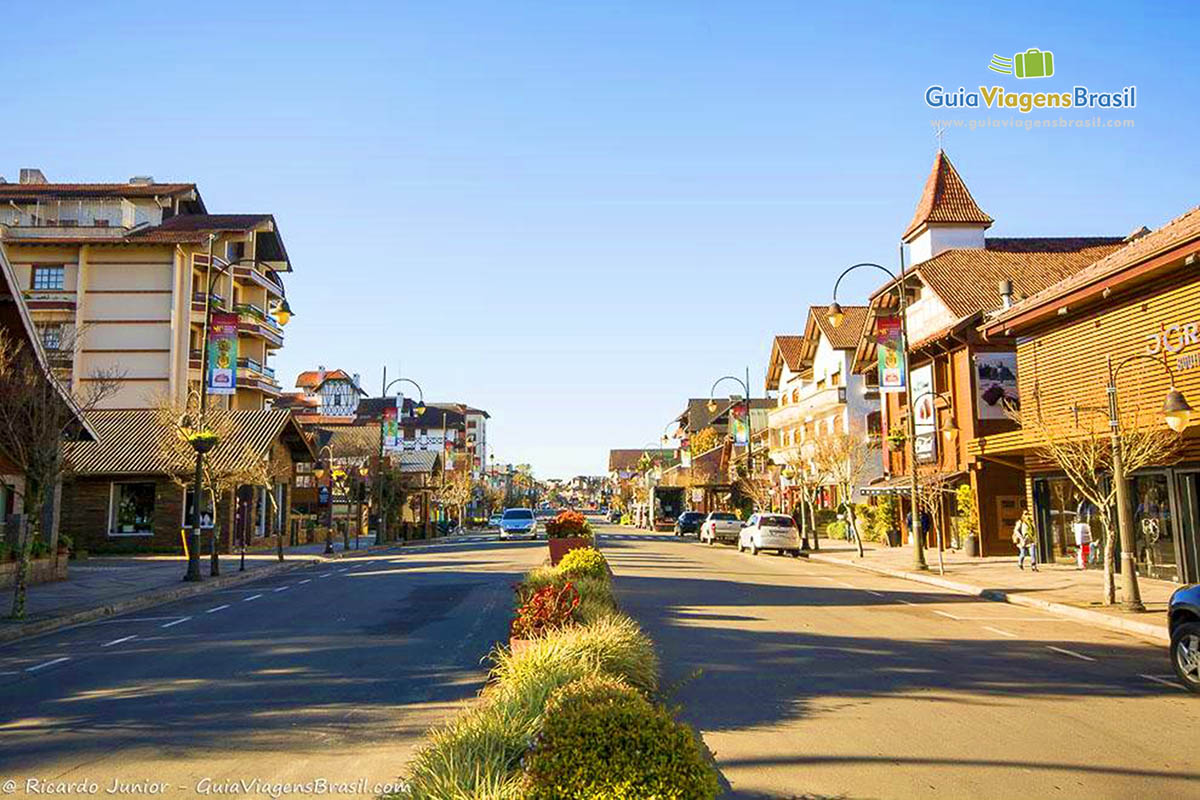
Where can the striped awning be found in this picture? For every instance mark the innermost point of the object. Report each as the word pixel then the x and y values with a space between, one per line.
pixel 128 442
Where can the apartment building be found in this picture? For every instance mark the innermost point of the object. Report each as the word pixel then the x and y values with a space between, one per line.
pixel 116 278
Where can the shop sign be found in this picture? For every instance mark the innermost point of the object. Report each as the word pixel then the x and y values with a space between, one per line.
pixel 924 414
pixel 995 385
pixel 1172 340
pixel 391 428
pixel 889 348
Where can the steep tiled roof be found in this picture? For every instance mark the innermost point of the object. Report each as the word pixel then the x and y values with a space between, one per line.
pixel 846 335
pixel 127 441
pixel 945 199
pixel 1181 230
pixel 311 379
pixel 789 349
pixel 966 279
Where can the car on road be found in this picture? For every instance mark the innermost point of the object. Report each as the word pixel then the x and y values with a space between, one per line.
pixel 494 521
pixel 689 523
pixel 720 526
pixel 614 516
pixel 1183 616
pixel 770 532
pixel 518 523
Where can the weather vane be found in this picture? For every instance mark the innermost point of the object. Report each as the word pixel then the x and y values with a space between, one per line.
pixel 939 133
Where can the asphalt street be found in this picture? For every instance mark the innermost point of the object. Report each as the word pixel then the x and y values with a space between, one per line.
pixel 805 679
pixel 331 673
pixel 814 680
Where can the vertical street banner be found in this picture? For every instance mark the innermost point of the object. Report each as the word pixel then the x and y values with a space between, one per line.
pixel 738 423
pixel 222 354
pixel 391 428
pixel 924 414
pixel 889 346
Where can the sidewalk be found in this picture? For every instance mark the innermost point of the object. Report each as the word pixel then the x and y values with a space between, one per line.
pixel 1058 588
pixel 106 585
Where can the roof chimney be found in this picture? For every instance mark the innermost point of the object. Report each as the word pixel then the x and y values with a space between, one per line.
pixel 1006 292
pixel 141 180
pixel 1137 234
pixel 320 373
pixel 31 175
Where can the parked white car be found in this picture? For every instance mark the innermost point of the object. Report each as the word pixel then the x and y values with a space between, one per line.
pixel 770 532
pixel 720 526
pixel 518 523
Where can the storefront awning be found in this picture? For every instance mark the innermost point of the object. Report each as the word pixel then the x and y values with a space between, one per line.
pixel 902 484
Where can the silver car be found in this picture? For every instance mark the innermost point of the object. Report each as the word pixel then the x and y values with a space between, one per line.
pixel 518 523
pixel 770 532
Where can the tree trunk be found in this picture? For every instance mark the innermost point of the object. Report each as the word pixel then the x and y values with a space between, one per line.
pixel 214 563
pixel 1110 546
pixel 34 499
pixel 812 516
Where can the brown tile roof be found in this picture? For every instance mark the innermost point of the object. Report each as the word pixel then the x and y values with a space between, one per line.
pixel 945 199
pixel 312 378
pixel 17 192
pixel 846 335
pixel 127 441
pixel 194 228
pixel 789 346
pixel 1181 230
pixel 967 279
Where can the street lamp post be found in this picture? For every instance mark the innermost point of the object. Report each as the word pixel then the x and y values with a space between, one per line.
pixel 282 313
pixel 363 472
pixel 712 407
pixel 420 410
pixel 949 431
pixel 835 316
pixel 319 473
pixel 1176 413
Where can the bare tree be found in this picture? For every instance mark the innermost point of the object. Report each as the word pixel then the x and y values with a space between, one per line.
pixel 933 486
pixel 845 458
pixel 457 489
pixel 1077 441
pixel 36 416
pixel 805 475
pixel 757 487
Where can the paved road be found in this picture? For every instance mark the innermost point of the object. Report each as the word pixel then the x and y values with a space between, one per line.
pixel 809 679
pixel 330 672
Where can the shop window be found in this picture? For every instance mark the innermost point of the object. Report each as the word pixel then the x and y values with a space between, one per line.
pixel 51 336
pixel 132 509
pixel 206 510
pixel 875 424
pixel 49 278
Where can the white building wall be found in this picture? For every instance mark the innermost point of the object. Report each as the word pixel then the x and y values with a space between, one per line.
pixel 937 239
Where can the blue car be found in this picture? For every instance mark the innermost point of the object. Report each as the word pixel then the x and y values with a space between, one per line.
pixel 1183 615
pixel 518 523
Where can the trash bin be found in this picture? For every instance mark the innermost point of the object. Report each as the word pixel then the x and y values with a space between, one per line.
pixel 893 538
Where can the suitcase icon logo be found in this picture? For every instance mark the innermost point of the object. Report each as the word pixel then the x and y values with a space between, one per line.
pixel 1033 63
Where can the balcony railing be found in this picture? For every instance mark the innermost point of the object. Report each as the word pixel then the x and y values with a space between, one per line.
pixel 258 315
pixel 81 213
pixel 254 366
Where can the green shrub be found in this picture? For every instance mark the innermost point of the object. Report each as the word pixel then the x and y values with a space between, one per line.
pixel 584 562
pixel 473 756
pixel 836 529
pixel 602 740
pixel 611 645
pixel 595 593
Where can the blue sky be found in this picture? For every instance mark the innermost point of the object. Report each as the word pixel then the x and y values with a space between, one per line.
pixel 576 215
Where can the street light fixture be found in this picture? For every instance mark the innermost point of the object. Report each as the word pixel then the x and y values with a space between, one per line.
pixel 319 471
pixel 419 410
pixel 835 315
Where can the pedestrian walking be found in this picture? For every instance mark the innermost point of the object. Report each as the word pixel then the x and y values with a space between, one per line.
pixel 1083 543
pixel 1024 540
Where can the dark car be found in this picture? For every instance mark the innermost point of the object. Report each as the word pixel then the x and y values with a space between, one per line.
pixel 614 516
pixel 1183 614
pixel 689 523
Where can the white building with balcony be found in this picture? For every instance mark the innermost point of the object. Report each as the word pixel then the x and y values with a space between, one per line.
pixel 818 394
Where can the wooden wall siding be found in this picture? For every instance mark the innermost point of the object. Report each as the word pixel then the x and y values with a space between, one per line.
pixel 1066 364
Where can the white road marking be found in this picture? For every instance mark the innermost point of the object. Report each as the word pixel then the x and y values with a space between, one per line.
pixel 50 663
pixel 252 597
pixel 347 569
pixel 306 580
pixel 1071 653
pixel 283 588
pixel 1163 681
pixel 1002 633
pixel 906 602
pixel 118 641
pixel 217 608
pixel 123 620
pixel 946 614
pixel 324 574
pixel 877 594
pixel 176 622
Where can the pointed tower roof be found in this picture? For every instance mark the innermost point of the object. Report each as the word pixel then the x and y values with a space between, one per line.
pixel 945 199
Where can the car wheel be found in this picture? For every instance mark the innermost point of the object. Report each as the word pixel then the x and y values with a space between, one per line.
pixel 712 540
pixel 740 548
pixel 795 554
pixel 753 548
pixel 1185 655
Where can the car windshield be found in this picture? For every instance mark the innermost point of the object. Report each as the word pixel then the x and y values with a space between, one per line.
pixel 723 516
pixel 518 514
pixel 776 521
pixel 691 516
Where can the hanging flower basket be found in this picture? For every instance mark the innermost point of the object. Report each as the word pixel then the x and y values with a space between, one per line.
pixel 202 441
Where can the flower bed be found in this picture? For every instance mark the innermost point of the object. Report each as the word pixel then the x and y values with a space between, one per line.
pixel 568 531
pixel 572 712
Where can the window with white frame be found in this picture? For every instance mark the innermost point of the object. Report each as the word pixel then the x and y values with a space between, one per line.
pixel 51 335
pixel 49 278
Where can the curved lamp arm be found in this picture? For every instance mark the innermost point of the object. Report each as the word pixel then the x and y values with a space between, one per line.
pixel 1176 410
pixel 834 313
pixel 420 409
pixel 712 403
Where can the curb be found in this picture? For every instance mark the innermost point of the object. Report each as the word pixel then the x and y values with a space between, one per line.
pixel 1148 630
pixel 138 602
